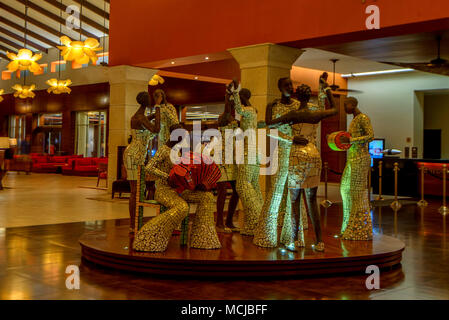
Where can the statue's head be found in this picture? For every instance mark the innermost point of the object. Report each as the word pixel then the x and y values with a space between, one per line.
pixel 285 85
pixel 143 98
pixel 324 77
pixel 245 95
pixel 159 97
pixel 303 93
pixel 351 104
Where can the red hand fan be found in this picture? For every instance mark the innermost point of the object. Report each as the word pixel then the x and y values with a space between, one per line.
pixel 188 175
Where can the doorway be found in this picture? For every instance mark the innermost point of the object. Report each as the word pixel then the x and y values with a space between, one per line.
pixel 432 144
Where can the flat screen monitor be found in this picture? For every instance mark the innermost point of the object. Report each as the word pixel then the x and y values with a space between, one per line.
pixel 375 149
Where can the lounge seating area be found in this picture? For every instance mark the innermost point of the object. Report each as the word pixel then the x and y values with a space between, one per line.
pixel 74 165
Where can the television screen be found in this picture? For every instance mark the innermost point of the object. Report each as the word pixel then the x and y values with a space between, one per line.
pixel 375 149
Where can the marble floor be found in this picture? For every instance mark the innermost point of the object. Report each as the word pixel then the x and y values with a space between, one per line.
pixel 33 261
pixel 53 212
pixel 40 199
pixel 65 199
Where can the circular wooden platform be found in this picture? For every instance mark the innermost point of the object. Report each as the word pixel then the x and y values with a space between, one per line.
pixel 239 257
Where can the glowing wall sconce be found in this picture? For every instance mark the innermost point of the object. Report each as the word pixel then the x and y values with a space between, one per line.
pixel 59 86
pixel 24 92
pixel 24 60
pixel 155 80
pixel 79 51
pixel 13 142
pixel 4 142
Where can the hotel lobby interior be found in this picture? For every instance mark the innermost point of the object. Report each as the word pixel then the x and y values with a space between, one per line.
pixel 354 95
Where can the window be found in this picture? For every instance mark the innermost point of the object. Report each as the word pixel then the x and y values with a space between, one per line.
pixel 91 133
pixel 204 112
pixel 17 125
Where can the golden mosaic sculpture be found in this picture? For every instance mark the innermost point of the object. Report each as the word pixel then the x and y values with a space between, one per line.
pixel 357 224
pixel 248 186
pixel 155 235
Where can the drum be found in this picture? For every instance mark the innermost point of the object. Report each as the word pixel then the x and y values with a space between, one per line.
pixel 334 141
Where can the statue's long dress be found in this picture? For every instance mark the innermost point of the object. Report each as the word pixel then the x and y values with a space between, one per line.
pixel 305 162
pixel 136 152
pixel 266 230
pixel 169 117
pixel 248 186
pixel 155 235
pixel 357 223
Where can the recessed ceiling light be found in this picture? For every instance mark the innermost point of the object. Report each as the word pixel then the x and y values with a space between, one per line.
pixel 373 73
pixel 196 78
pixel 207 58
pixel 172 62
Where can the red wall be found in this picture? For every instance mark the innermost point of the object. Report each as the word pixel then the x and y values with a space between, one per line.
pixel 145 31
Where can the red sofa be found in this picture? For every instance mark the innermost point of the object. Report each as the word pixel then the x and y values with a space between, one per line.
pixel 87 166
pixel 50 164
pixel 75 165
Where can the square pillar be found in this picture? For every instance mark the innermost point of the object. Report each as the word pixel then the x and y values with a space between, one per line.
pixel 125 83
pixel 261 66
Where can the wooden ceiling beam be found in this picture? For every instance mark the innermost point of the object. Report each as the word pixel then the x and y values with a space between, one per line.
pixel 10 43
pixel 29 32
pixel 3 56
pixel 3 48
pixel 30 20
pixel 83 18
pixel 53 17
pixel 22 39
pixel 93 8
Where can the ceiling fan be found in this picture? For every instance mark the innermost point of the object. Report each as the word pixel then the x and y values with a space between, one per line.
pixel 336 87
pixel 438 65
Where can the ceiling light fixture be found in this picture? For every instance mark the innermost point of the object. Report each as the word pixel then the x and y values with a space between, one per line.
pixel 207 58
pixel 24 92
pixel 58 86
pixel 80 51
pixel 24 60
pixel 374 73
pixel 196 78
pixel 172 62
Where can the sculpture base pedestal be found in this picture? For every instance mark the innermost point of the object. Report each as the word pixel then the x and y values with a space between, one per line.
pixel 239 257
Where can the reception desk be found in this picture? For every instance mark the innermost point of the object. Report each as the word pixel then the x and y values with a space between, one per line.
pixel 409 176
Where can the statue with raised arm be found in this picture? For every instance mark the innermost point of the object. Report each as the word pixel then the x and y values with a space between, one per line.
pixel 248 186
pixel 169 116
pixel 144 129
pixel 282 114
pixel 305 164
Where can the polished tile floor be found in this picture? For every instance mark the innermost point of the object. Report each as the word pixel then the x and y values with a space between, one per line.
pixel 33 259
pixel 39 199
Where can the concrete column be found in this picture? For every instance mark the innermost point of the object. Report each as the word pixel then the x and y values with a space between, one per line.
pixel 261 66
pixel 125 83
